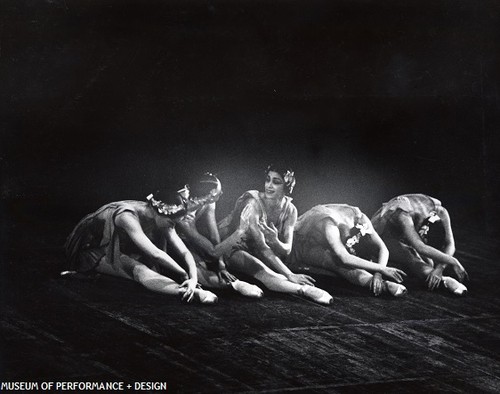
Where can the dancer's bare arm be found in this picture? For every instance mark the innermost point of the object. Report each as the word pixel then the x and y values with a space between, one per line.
pixel 130 224
pixel 332 234
pixel 211 248
pixel 380 255
pixel 176 243
pixel 411 236
pixel 449 240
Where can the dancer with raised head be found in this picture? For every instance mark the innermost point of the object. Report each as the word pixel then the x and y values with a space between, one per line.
pixel 129 239
pixel 339 240
pixel 269 237
pixel 417 231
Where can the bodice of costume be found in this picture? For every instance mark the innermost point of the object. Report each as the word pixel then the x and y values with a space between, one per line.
pixel 310 227
pixel 98 230
pixel 128 247
pixel 418 206
pixel 231 222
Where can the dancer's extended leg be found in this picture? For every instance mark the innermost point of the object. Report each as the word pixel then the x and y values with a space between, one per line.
pixel 244 262
pixel 130 268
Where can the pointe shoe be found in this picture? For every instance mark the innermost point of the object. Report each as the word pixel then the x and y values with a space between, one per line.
pixel 454 286
pixel 316 294
pixel 205 296
pixel 247 289
pixel 395 289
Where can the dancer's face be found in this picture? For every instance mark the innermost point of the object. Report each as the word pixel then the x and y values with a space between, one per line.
pixel 274 186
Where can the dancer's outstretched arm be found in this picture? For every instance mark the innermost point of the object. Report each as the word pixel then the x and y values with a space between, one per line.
pixel 174 241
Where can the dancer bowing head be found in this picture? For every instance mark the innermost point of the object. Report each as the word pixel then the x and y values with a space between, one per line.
pixel 339 240
pixel 129 239
pixel 417 231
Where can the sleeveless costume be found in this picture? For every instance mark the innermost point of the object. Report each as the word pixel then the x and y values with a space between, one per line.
pixel 310 243
pixel 423 211
pixel 96 236
pixel 230 223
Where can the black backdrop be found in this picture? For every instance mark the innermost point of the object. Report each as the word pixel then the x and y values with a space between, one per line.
pixel 107 100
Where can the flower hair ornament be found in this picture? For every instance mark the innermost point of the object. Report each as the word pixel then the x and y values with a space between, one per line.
pixel 289 179
pixel 424 229
pixel 170 210
pixel 360 230
pixel 187 203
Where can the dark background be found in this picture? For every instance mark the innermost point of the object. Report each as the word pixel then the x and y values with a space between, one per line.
pixel 108 100
pixel 104 100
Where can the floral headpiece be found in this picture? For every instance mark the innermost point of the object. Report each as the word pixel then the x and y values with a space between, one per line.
pixel 424 229
pixel 359 230
pixel 289 179
pixel 187 203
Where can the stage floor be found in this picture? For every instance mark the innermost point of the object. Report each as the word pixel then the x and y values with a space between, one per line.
pixel 107 329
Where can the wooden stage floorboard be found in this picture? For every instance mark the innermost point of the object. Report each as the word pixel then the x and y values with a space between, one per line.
pixel 107 329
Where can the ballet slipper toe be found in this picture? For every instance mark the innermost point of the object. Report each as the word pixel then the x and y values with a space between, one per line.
pixel 205 296
pixel 401 291
pixel 395 289
pixel 316 294
pixel 454 286
pixel 247 289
